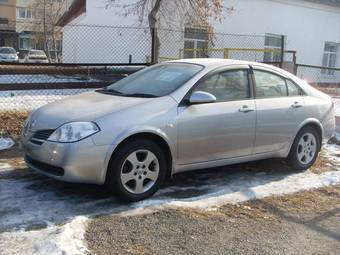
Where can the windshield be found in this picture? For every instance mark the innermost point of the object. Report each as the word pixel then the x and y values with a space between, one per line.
pixel 7 51
pixel 156 81
pixel 37 52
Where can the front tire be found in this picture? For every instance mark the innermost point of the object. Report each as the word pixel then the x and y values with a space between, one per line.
pixel 305 149
pixel 136 170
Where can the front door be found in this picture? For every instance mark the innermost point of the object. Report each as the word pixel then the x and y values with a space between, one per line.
pixel 219 130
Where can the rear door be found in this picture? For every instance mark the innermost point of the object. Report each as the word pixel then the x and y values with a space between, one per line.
pixel 219 130
pixel 280 110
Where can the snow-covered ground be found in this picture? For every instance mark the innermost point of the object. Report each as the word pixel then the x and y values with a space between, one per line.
pixel 27 100
pixel 41 78
pixel 42 216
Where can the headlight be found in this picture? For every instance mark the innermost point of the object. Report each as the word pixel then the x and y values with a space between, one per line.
pixel 73 132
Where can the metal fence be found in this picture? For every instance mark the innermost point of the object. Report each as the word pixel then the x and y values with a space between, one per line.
pixel 324 78
pixel 83 43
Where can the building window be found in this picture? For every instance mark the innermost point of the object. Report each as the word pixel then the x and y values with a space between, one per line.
pixel 273 43
pixel 3 21
pixel 195 43
pixel 329 57
pixel 24 13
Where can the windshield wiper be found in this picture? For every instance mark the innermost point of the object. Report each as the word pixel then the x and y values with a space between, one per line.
pixel 109 91
pixel 140 95
pixel 116 92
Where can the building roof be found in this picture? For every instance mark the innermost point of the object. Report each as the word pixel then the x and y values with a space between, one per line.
pixel 77 8
pixel 326 2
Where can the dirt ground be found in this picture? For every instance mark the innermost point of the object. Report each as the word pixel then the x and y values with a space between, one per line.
pixel 303 223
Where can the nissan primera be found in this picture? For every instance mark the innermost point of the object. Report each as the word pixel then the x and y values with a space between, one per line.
pixel 174 117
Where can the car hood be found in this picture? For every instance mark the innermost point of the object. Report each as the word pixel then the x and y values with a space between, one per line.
pixel 84 107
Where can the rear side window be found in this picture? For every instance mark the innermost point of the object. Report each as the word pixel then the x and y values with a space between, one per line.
pixel 269 85
pixel 226 85
pixel 293 89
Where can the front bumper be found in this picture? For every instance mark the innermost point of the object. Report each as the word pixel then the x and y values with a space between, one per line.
pixel 82 161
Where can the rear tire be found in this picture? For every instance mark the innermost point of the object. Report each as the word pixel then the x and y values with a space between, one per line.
pixel 136 170
pixel 305 149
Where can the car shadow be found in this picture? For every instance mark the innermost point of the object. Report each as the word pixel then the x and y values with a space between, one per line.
pixel 30 200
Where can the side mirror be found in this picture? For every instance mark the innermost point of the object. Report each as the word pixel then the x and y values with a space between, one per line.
pixel 201 97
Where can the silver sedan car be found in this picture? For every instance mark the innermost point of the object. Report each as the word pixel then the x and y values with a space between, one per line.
pixel 178 116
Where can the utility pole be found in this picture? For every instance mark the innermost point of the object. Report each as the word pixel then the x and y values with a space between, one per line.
pixel 45 34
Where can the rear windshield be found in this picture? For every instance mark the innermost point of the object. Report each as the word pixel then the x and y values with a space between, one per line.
pixel 37 52
pixel 7 51
pixel 158 80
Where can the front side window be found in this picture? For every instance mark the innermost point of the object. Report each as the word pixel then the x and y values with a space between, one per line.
pixel 156 81
pixel 293 89
pixel 227 85
pixel 269 85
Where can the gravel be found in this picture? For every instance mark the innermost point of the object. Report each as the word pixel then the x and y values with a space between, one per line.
pixel 303 223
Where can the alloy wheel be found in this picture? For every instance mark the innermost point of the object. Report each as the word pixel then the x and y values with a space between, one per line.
pixel 139 171
pixel 306 148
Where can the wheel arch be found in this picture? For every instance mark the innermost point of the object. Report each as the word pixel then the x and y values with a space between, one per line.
pixel 156 138
pixel 316 124
pixel 308 123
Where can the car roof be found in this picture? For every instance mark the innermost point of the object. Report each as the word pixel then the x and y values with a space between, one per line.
pixel 6 48
pixel 217 62
pixel 210 61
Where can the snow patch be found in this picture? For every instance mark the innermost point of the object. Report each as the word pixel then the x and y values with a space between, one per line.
pixel 42 78
pixel 53 240
pixel 6 143
pixel 26 100
pixel 336 101
pixel 291 184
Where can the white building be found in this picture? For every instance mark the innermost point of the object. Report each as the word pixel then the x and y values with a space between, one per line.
pixel 93 33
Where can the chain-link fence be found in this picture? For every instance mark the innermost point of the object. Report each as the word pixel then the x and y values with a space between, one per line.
pixel 324 78
pixel 84 43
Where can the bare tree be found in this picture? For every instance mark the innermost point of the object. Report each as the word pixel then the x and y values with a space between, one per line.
pixel 46 14
pixel 196 12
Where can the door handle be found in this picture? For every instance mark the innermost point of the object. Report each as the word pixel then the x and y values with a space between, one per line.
pixel 246 108
pixel 297 105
